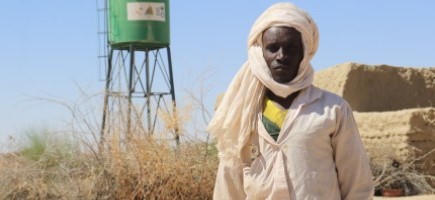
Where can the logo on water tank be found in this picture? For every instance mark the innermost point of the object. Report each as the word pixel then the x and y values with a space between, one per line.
pixel 146 11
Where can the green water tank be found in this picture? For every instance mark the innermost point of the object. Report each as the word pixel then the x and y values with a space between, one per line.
pixel 142 23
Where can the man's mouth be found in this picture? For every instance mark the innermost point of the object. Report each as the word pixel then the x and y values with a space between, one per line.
pixel 280 68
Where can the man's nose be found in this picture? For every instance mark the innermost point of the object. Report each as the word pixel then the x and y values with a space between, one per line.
pixel 280 55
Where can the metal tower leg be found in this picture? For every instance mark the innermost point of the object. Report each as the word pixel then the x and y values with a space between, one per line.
pixel 106 99
pixel 130 92
pixel 148 91
pixel 171 80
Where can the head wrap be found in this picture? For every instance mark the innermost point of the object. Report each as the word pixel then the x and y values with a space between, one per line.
pixel 236 116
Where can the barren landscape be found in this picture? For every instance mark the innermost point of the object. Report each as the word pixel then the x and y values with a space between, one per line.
pixel 393 108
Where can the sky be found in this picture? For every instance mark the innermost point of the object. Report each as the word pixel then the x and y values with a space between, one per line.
pixel 50 48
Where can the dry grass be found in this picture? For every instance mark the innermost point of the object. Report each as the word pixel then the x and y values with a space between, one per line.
pixel 390 173
pixel 131 165
pixel 143 169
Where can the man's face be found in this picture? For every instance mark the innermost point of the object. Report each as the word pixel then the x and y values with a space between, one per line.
pixel 283 52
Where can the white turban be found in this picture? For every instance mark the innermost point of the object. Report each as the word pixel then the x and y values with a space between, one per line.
pixel 236 116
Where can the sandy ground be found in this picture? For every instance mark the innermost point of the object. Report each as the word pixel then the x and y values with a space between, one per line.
pixel 420 197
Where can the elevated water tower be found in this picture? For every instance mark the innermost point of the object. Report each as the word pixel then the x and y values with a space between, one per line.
pixel 138 76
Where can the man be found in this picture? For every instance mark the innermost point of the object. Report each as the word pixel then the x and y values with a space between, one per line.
pixel 278 136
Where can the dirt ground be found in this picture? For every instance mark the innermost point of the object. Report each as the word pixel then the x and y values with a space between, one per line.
pixel 419 197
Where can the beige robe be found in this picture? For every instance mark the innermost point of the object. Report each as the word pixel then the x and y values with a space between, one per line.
pixel 318 155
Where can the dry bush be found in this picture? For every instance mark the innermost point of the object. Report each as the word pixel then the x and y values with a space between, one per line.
pixel 143 169
pixel 135 167
pixel 389 173
pixel 46 174
pixel 148 169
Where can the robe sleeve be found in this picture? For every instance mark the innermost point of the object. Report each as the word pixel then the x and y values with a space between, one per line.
pixel 229 183
pixel 353 169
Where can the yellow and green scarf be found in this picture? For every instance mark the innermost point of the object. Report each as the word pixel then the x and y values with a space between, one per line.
pixel 273 118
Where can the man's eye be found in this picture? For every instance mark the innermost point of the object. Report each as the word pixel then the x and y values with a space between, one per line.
pixel 291 46
pixel 272 48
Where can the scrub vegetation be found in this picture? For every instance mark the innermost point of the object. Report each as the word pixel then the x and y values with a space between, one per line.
pixel 71 164
pixel 407 179
pixel 142 169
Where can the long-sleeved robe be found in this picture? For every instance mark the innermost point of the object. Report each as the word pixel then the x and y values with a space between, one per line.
pixel 318 155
